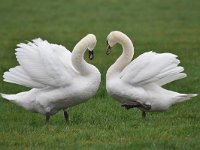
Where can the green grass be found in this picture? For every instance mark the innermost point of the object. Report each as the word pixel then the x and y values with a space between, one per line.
pixel 163 26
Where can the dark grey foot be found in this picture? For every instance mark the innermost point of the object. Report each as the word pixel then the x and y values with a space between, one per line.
pixel 130 105
pixel 47 117
pixel 66 115
pixel 147 107
pixel 133 104
pixel 143 114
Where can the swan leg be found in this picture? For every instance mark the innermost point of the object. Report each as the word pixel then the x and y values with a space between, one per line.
pixel 143 114
pixel 66 115
pixel 47 117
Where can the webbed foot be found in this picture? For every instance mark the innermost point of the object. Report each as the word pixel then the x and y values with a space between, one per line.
pixel 133 104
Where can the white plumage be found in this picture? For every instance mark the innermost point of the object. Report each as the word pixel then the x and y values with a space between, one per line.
pixel 60 79
pixel 139 83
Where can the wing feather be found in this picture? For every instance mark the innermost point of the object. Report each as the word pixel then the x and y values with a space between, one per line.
pixel 41 64
pixel 152 67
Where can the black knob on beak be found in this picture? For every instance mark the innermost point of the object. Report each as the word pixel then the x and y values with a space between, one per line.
pixel 91 55
pixel 109 48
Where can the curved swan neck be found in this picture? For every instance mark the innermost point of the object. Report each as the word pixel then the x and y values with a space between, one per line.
pixel 77 58
pixel 126 56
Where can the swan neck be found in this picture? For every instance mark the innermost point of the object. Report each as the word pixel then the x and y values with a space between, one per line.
pixel 77 59
pixel 125 58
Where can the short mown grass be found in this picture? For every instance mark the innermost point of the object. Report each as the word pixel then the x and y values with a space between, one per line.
pixel 163 26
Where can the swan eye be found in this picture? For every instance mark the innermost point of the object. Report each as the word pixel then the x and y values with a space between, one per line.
pixel 91 55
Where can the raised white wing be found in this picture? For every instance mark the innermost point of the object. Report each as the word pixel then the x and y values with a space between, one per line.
pixel 41 64
pixel 152 67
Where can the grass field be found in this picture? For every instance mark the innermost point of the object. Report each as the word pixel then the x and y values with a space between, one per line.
pixel 163 26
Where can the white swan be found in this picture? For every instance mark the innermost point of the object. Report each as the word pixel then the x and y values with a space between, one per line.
pixel 59 79
pixel 139 83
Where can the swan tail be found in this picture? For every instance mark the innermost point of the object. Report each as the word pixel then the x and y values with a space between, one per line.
pixel 14 98
pixel 23 99
pixel 18 76
pixel 184 97
pixel 22 96
pixel 9 97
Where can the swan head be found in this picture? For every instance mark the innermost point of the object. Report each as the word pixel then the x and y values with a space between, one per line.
pixel 115 37
pixel 112 39
pixel 91 40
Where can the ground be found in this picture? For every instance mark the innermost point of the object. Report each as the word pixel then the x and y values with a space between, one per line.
pixel 167 26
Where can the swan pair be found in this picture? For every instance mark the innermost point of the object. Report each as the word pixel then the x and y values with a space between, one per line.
pixel 60 79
